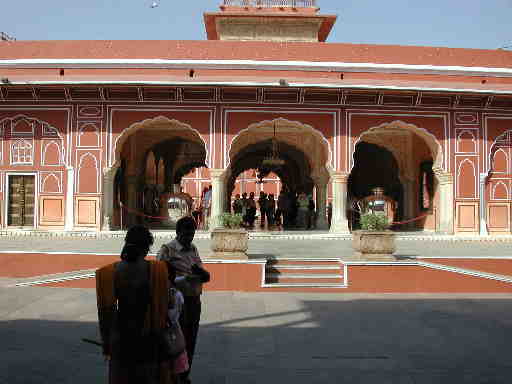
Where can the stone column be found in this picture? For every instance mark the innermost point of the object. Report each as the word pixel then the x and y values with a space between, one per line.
pixel 321 203
pixel 409 200
pixel 483 206
pixel 339 223
pixel 70 199
pixel 446 215
pixel 131 188
pixel 218 198
pixel 108 197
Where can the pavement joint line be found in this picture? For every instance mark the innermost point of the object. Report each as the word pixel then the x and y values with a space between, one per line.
pixel 55 280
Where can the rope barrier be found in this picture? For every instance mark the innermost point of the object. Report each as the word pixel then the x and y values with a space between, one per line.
pixel 138 213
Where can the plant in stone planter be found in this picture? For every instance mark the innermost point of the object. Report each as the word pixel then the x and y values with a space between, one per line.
pixel 374 241
pixel 371 221
pixel 231 240
pixel 231 220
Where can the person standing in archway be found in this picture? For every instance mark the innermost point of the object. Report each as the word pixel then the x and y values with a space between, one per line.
pixel 271 209
pixel 263 202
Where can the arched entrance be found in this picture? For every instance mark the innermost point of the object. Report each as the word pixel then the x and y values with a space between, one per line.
pixel 151 157
pixel 401 158
pixel 305 152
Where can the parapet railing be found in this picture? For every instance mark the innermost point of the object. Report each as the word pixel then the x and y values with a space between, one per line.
pixel 272 3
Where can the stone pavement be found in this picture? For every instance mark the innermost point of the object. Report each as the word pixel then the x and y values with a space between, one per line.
pixel 267 247
pixel 277 338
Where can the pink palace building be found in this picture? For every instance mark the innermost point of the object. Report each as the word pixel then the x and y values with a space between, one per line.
pixel 87 124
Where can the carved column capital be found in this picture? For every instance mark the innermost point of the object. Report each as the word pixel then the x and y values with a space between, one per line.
pixel 444 177
pixel 340 178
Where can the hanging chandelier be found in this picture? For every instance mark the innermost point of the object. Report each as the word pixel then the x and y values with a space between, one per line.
pixel 273 161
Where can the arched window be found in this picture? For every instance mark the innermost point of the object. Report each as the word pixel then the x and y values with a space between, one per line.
pixel 22 152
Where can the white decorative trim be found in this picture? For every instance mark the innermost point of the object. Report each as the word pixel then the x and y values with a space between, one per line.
pixel 507 161
pixel 80 114
pixel 43 154
pixel 25 145
pixel 332 85
pixel 475 173
pixel 80 162
pixel 97 130
pixel 493 193
pixel 473 139
pixel 260 65
pixel 44 176
pixel 459 118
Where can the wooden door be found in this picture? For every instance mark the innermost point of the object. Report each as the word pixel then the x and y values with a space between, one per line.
pixel 21 201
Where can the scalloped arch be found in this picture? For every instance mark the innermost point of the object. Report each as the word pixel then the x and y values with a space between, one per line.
pixel 264 130
pixel 433 144
pixel 156 123
pixel 503 140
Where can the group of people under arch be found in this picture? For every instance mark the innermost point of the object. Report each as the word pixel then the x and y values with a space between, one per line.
pixel 291 209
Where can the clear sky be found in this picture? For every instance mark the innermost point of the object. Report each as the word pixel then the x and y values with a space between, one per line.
pixel 448 23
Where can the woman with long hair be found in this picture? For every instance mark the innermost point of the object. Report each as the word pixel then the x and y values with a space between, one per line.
pixel 132 298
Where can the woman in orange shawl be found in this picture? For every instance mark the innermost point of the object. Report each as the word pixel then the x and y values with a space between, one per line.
pixel 132 298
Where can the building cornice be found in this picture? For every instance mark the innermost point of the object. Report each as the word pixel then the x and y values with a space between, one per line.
pixel 259 65
pixel 258 84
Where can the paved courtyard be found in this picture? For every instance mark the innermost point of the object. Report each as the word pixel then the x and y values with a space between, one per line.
pixel 262 247
pixel 277 338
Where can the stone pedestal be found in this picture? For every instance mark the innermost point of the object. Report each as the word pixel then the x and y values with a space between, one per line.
pixel 374 245
pixel 339 222
pixel 229 243
pixel 445 181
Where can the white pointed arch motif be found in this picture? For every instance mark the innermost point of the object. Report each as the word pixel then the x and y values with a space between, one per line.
pixel 80 167
pixel 502 141
pixel 495 186
pixel 475 187
pixel 45 149
pixel 46 179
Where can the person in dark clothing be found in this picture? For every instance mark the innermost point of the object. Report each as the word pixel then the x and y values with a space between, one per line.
pixel 263 202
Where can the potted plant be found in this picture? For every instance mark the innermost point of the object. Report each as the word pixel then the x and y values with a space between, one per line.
pixel 231 240
pixel 374 241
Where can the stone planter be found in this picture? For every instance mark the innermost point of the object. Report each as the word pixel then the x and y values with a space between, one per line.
pixel 229 243
pixel 374 245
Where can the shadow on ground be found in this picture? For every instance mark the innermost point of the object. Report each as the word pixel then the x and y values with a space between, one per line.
pixel 247 338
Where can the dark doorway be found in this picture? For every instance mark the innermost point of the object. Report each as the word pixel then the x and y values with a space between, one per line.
pixel 374 166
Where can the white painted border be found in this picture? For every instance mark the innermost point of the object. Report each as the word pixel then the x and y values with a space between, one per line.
pixel 81 124
pixel 44 108
pixel 43 175
pixel 60 150
pixel 79 155
pixel 470 159
pixel 261 65
pixel 458 134
pixel 8 174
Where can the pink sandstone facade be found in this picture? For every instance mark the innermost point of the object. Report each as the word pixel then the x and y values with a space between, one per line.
pixel 86 124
